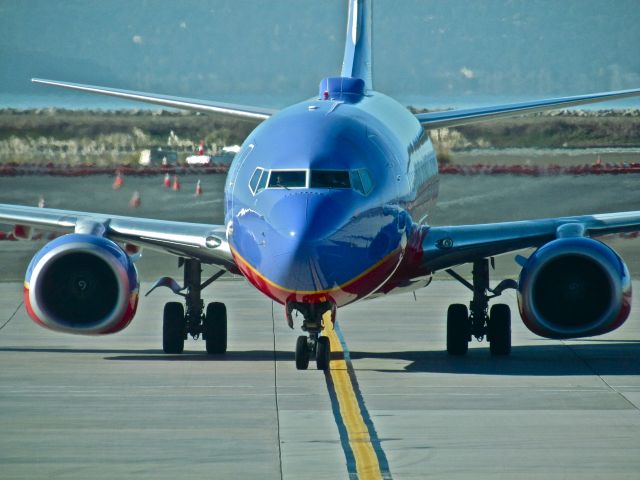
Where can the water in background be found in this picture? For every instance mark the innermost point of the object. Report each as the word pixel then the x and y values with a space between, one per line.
pixel 78 101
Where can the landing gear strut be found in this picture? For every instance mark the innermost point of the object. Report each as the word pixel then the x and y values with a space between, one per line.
pixel 313 344
pixel 478 321
pixel 179 322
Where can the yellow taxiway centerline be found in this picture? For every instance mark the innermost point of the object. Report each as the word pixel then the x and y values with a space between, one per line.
pixel 367 465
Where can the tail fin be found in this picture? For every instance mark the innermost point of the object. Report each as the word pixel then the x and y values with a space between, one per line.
pixel 357 50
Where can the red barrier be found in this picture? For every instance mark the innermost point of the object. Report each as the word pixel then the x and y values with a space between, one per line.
pixel 60 170
pixel 14 169
pixel 12 237
pixel 540 170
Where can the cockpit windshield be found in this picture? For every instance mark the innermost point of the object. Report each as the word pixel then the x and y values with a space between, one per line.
pixel 288 179
pixel 358 180
pixel 330 179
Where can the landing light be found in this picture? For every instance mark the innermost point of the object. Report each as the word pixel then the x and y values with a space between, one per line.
pixel 212 242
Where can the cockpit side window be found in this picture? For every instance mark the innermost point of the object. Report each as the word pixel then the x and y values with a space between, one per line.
pixel 330 179
pixel 367 183
pixel 361 181
pixel 262 183
pixel 255 180
pixel 356 182
pixel 288 179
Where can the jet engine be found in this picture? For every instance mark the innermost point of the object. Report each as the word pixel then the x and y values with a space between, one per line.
pixel 574 287
pixel 84 284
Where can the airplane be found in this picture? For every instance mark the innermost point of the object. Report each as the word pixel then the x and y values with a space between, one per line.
pixel 327 204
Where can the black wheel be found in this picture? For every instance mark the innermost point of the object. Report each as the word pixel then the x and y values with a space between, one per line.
pixel 215 328
pixel 458 329
pixel 173 325
pixel 302 353
pixel 323 353
pixel 499 329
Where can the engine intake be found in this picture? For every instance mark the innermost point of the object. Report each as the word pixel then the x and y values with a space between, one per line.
pixel 82 284
pixel 574 287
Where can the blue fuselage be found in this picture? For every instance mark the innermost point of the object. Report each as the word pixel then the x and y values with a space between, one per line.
pixel 307 239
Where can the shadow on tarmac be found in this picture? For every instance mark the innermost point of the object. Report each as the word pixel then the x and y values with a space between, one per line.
pixel 159 355
pixel 601 357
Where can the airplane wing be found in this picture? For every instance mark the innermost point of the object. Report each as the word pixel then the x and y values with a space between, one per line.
pixel 454 118
pixel 207 243
pixel 445 247
pixel 230 109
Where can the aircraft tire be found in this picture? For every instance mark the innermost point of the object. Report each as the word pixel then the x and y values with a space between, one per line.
pixel 499 331
pixel 323 353
pixel 215 328
pixel 458 329
pixel 173 324
pixel 302 353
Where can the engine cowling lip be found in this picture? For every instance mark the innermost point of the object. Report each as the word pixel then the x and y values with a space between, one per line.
pixel 590 249
pixel 78 246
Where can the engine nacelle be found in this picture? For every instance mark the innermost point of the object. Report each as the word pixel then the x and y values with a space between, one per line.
pixel 574 287
pixel 82 284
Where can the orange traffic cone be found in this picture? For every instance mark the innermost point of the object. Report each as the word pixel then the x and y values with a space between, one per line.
pixel 117 183
pixel 167 181
pixel 135 200
pixel 176 183
pixel 198 189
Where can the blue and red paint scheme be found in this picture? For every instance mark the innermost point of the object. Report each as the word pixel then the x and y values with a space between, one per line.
pixel 81 283
pixel 316 249
pixel 314 245
pixel 560 275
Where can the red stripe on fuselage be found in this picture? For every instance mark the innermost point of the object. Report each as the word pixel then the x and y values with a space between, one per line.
pixel 357 288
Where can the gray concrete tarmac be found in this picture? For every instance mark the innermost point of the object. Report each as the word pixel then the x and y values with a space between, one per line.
pixel 116 407
pixel 86 407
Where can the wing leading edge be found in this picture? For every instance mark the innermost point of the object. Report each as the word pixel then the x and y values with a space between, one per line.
pixel 445 247
pixel 454 118
pixel 222 108
pixel 207 243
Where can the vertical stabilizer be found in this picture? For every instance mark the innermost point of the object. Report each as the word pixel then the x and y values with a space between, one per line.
pixel 357 49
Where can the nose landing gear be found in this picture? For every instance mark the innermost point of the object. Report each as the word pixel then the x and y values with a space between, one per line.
pixel 313 344
pixel 319 346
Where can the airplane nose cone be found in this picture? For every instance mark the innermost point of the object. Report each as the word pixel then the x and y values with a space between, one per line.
pixel 303 229
pixel 306 217
pixel 309 245
pixel 288 217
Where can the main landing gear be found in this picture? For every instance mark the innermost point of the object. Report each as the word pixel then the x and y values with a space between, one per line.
pixel 181 321
pixel 478 321
pixel 313 344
